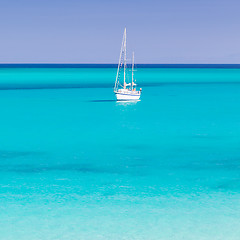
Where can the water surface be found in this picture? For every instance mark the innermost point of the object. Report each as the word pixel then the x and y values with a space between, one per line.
pixel 75 164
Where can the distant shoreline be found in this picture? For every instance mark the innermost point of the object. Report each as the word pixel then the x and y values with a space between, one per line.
pixel 90 65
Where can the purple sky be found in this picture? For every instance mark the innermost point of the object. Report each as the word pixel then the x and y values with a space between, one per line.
pixel 71 31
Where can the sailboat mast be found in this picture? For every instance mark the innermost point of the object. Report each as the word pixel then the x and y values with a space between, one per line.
pixel 125 57
pixel 119 62
pixel 132 69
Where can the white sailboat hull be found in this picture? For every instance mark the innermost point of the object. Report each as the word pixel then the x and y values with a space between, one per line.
pixel 127 95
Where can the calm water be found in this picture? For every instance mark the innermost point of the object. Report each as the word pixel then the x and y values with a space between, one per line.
pixel 75 164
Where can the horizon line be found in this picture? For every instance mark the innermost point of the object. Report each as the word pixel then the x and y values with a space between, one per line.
pixel 117 63
pixel 114 65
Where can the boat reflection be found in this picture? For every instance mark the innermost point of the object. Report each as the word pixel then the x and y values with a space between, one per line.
pixel 127 103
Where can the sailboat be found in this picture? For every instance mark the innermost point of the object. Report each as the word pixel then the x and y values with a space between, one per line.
pixel 125 91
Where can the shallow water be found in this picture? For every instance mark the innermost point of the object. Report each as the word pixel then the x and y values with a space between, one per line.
pixel 75 164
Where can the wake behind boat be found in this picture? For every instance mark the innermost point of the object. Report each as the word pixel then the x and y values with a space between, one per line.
pixel 127 91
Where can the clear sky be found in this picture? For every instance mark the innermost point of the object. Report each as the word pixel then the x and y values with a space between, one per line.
pixel 75 31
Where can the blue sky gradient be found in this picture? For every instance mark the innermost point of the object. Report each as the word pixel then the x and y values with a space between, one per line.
pixel 72 31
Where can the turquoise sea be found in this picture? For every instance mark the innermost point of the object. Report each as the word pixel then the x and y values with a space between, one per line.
pixel 75 164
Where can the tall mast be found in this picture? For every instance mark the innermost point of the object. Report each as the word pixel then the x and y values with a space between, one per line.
pixel 132 70
pixel 125 57
pixel 119 62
